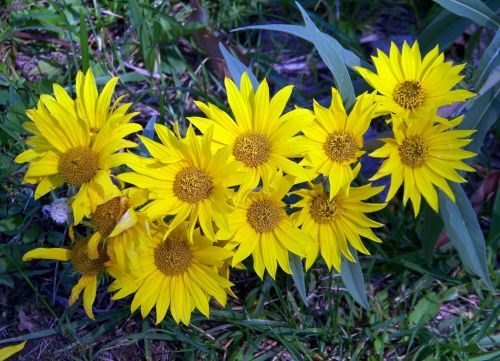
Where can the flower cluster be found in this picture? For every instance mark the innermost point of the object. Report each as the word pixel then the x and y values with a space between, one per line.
pixel 423 153
pixel 258 181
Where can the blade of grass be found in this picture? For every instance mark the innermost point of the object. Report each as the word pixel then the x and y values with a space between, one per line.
pixel 68 31
pixel 84 42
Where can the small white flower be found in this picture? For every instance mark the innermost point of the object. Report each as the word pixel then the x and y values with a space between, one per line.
pixel 58 210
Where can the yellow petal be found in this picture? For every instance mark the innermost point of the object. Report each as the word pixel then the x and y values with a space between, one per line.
pixel 93 245
pixel 240 107
pixel 77 289
pixel 89 294
pixel 246 247
pixel 58 254
pixel 47 185
pixel 199 297
pixel 129 219
pixel 6 352
pixel 104 101
pixel 47 165
pixel 163 299
pixel 268 252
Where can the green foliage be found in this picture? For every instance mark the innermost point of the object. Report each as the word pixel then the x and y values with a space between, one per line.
pixel 475 10
pixel 464 231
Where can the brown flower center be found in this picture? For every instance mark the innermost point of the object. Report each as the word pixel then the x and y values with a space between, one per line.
pixel 414 151
pixel 83 264
pixel 409 95
pixel 340 146
pixel 172 257
pixel 107 215
pixel 264 215
pixel 252 149
pixel 324 210
pixel 192 185
pixel 78 166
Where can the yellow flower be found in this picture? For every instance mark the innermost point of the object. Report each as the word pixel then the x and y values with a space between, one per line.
pixel 261 227
pixel 88 269
pixel 191 185
pixel 65 151
pixel 334 140
pixel 123 227
pixel 6 352
pixel 334 223
pixel 174 273
pixel 259 135
pixel 424 155
pixel 95 108
pixel 412 87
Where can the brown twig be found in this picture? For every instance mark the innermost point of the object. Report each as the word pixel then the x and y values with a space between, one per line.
pixel 42 38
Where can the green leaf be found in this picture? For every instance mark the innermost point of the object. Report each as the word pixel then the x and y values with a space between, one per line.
pixel 237 68
pixel 332 59
pixel 491 340
pixel 431 228
pixel 352 276
pixel 481 116
pixel 6 280
pixel 463 230
pixel 348 57
pixel 487 356
pixel 471 347
pixel 132 77
pixel 495 219
pixel 442 31
pixel 148 132
pixel 474 10
pixel 31 336
pixel 489 61
pixel 144 34
pixel 425 309
pixel 298 276
pixel 84 42
pixel 329 49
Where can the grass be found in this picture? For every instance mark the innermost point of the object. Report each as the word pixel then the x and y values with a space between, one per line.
pixel 425 306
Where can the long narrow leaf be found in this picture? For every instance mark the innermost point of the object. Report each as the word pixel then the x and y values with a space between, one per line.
pixel 148 132
pixel 481 116
pixel 144 34
pixel 350 59
pixel 475 10
pixel 298 276
pixel 432 226
pixel 237 68
pixel 489 61
pixel 329 49
pixel 332 59
pixel 464 232
pixel 494 232
pixel 352 276
pixel 84 42
pixel 442 31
